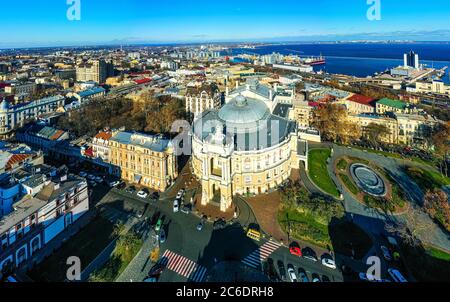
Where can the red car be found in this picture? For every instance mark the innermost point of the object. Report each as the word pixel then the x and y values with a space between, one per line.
pixel 295 250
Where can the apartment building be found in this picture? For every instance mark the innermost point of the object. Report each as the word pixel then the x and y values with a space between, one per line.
pixel 14 116
pixel 37 219
pixel 142 159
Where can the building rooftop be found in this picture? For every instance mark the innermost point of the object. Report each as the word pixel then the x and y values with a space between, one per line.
pixel 152 142
pixel 392 103
pixel 361 99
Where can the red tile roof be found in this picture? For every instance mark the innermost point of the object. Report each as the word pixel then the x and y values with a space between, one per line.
pixel 104 135
pixel 16 158
pixel 361 99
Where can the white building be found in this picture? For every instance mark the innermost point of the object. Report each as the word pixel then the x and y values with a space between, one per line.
pixel 200 103
pixel 15 116
pixel 37 220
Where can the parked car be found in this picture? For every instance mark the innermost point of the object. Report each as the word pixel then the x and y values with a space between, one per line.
pixel 281 270
pixel 91 177
pixel 186 209
pixel 155 195
pixel 201 224
pixel 219 224
pixel 142 193
pixel 302 275
pixel 114 183
pixel 328 262
pixel 150 279
pixel 180 194
pixel 315 278
pixel 309 254
pixel 386 253
pixel 176 206
pixel 156 270
pixel 99 179
pixel 396 275
pixel 295 249
pixel 92 183
pixel 158 225
pixel 131 189
pixel 83 174
pixel 291 273
pixel 122 185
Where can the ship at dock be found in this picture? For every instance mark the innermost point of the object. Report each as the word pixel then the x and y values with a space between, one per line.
pixel 314 61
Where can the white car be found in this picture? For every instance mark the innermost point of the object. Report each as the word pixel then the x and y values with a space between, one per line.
pixel 176 206
pixel 291 273
pixel 142 194
pixel 329 263
pixel 114 184
pixel 180 194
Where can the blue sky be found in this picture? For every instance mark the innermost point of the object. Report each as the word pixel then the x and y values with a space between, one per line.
pixel 44 22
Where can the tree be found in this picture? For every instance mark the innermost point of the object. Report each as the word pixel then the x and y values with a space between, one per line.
pixel 332 122
pixel 436 204
pixel 441 144
pixel 374 132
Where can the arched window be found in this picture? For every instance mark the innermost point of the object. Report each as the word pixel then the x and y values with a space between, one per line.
pixel 35 245
pixel 68 219
pixel 21 256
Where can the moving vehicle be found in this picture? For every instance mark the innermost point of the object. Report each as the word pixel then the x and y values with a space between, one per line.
pixel 386 253
pixel 176 206
pixel 291 273
pixel 142 193
pixel 162 236
pixel 396 275
pixel 328 262
pixel 254 234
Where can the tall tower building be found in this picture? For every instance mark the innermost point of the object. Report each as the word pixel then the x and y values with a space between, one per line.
pixel 411 59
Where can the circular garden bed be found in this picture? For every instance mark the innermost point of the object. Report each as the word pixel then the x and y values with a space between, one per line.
pixel 390 200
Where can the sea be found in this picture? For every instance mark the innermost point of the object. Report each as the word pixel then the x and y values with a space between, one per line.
pixel 361 59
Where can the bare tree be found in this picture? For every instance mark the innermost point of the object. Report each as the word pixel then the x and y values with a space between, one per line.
pixel 412 230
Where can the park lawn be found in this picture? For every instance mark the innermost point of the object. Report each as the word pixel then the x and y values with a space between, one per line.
pixel 304 227
pixel 437 253
pixel 127 247
pixel 318 171
pixel 86 245
pixel 342 164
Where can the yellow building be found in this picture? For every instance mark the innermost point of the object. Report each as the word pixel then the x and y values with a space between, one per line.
pixel 142 159
pixel 243 149
pixel 364 120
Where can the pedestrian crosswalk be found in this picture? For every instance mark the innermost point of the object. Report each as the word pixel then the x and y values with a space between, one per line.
pixel 261 254
pixel 183 266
